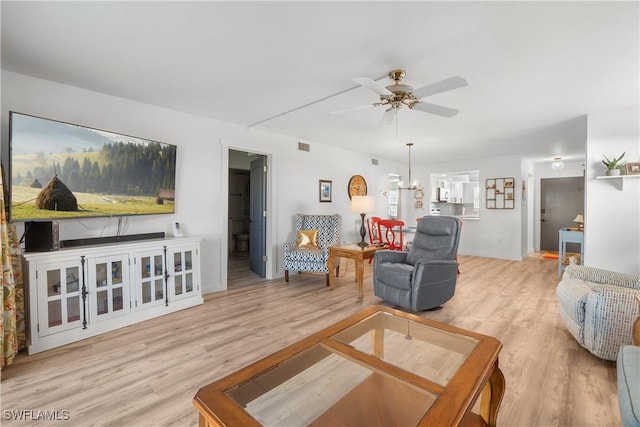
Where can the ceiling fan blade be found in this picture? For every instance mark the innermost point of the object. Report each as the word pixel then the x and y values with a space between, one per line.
pixel 372 85
pixel 388 117
pixel 345 110
pixel 441 86
pixel 435 109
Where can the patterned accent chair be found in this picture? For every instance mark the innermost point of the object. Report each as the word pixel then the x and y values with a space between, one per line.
pixel 313 260
pixel 598 307
pixel 424 277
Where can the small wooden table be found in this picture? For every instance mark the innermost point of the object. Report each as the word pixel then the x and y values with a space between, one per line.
pixel 355 252
pixel 378 367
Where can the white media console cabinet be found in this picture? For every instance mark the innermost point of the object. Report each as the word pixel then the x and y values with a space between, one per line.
pixel 76 293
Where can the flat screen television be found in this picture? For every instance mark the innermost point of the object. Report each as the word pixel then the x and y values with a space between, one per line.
pixel 60 170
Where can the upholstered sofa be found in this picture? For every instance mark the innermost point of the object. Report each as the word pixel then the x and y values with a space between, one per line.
pixel 628 373
pixel 598 307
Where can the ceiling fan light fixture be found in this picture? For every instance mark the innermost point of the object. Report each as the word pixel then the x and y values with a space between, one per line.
pixel 398 94
pixel 400 89
pixel 557 164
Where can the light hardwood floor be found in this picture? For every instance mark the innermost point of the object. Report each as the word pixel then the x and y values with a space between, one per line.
pixel 147 374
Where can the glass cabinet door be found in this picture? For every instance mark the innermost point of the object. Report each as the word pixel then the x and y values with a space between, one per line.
pixel 149 269
pixel 60 300
pixel 108 286
pixel 182 273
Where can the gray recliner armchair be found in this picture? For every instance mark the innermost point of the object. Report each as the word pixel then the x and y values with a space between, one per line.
pixel 424 277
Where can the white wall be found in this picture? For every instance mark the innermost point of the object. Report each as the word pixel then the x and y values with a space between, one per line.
pixel 201 182
pixel 497 233
pixel 612 217
pixel 196 156
pixel 293 186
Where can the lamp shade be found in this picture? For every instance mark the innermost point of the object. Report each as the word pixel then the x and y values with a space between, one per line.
pixel 362 204
pixel 579 219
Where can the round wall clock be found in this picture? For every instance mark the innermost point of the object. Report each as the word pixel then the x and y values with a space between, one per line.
pixel 357 186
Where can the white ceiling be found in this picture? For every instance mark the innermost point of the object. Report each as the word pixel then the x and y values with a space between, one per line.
pixel 533 68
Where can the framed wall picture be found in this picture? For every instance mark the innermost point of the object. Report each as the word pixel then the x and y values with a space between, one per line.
pixel 325 190
pixel 633 168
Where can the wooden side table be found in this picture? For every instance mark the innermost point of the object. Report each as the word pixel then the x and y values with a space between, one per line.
pixel 355 252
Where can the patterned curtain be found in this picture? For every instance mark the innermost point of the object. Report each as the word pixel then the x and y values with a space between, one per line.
pixel 12 332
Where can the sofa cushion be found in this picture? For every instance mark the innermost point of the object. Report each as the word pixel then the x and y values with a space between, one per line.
pixel 307 239
pixel 628 371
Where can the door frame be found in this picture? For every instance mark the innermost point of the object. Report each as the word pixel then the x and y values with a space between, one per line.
pixel 225 146
pixel 573 168
pixel 564 193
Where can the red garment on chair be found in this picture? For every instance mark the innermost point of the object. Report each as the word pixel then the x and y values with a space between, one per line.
pixel 391 233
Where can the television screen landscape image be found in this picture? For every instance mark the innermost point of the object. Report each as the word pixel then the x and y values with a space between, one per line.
pixel 61 170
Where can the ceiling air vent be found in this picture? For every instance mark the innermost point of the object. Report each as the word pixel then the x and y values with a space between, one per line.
pixel 304 146
pixel 374 162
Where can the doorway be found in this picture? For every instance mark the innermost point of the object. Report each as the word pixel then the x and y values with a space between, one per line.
pixel 561 199
pixel 246 235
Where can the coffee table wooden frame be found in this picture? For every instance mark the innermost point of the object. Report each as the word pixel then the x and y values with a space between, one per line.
pixel 478 377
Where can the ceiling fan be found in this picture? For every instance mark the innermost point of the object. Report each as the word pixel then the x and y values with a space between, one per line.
pixel 398 94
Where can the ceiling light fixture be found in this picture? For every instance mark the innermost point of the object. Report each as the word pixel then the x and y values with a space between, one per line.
pixel 398 94
pixel 557 163
pixel 413 184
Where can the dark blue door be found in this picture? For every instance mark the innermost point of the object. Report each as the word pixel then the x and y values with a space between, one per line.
pixel 257 219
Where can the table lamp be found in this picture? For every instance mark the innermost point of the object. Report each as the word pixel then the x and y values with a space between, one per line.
pixel 362 205
pixel 579 219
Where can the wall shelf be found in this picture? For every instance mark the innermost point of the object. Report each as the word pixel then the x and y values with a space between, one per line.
pixel 500 193
pixel 618 179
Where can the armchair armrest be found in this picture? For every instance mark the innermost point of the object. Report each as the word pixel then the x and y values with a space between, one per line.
pixel 430 272
pixel 325 253
pixel 433 283
pixel 286 248
pixel 614 301
pixel 572 295
pixel 386 255
pixel 609 315
pixel 598 275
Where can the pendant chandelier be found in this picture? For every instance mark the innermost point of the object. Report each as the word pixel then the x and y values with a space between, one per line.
pixel 413 184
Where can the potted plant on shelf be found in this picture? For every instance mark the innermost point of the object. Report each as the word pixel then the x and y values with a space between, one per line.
pixel 612 165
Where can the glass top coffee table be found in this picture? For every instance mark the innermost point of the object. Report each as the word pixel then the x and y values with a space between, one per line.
pixel 379 367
